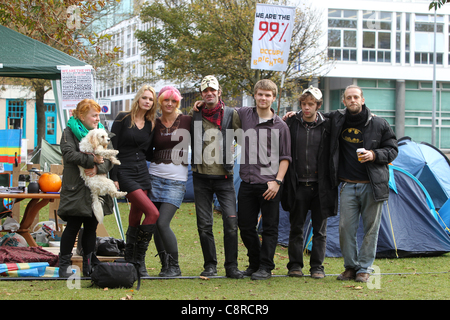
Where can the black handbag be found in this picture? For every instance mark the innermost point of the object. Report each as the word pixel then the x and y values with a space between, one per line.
pixel 119 274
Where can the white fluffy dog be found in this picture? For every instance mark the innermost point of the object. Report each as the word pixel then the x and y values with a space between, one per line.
pixel 96 142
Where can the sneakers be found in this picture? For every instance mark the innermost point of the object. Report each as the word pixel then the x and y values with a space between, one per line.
pixel 210 271
pixel 261 274
pixel 234 273
pixel 295 272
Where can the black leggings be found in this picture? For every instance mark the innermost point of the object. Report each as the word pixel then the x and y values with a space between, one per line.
pixel 165 239
pixel 69 235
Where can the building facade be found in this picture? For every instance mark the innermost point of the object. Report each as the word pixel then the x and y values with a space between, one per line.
pixel 387 48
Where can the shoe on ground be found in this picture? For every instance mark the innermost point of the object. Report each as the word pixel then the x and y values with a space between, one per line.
pixel 348 274
pixel 209 272
pixel 295 273
pixel 362 277
pixel 249 272
pixel 261 274
pixel 317 275
pixel 234 273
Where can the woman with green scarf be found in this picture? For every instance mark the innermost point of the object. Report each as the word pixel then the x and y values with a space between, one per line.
pixel 76 205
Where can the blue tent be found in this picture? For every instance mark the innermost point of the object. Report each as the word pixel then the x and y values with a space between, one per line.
pixel 429 165
pixel 409 225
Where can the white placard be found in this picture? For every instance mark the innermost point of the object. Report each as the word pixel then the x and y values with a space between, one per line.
pixel 272 35
pixel 77 84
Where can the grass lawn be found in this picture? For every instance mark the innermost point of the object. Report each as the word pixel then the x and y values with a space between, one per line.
pixel 410 278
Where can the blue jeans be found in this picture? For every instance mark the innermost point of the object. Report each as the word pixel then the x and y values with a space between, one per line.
pixel 357 201
pixel 204 189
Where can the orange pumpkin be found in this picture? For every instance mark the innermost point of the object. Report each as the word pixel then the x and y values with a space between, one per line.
pixel 49 182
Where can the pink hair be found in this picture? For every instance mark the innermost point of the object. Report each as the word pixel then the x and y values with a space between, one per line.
pixel 168 92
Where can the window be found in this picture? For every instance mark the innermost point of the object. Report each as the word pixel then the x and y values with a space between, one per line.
pixel 15 114
pixel 377 36
pixel 342 34
pixel 424 38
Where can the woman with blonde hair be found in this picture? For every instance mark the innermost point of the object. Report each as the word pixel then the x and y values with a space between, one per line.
pixel 134 133
pixel 169 173
pixel 76 203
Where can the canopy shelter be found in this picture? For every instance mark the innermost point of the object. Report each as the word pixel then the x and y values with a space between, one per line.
pixel 24 57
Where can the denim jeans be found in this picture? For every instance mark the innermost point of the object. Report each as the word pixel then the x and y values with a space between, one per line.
pixel 307 198
pixel 250 203
pixel 357 201
pixel 204 189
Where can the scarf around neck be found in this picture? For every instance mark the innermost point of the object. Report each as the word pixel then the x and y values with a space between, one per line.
pixel 78 128
pixel 214 115
pixel 356 119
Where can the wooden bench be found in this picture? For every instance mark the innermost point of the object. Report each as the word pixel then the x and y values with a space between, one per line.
pixel 77 260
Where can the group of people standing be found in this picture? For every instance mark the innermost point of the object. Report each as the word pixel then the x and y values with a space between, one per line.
pixel 304 162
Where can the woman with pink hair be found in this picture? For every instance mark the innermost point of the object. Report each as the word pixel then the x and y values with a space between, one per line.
pixel 168 174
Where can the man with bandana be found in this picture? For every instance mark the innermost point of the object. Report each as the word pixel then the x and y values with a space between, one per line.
pixel 212 167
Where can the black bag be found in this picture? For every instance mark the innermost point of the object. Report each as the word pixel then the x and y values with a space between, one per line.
pixel 119 274
pixel 109 246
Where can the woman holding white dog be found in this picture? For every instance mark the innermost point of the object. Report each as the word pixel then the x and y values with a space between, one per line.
pixel 76 204
pixel 133 135
pixel 169 173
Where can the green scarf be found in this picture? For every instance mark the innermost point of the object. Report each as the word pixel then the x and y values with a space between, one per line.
pixel 78 129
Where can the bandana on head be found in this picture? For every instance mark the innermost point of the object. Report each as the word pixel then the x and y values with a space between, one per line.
pixel 214 115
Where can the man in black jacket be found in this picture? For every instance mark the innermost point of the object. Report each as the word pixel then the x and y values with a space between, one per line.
pixel 364 178
pixel 308 183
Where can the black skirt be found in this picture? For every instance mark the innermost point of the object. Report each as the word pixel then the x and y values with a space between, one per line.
pixel 133 176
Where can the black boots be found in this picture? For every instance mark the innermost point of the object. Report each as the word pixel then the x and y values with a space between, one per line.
pixel 170 267
pixel 136 245
pixel 65 261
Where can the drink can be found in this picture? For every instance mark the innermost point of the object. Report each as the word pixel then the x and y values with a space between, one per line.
pixel 360 152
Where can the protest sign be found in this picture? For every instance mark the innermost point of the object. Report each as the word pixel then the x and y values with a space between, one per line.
pixel 77 84
pixel 272 37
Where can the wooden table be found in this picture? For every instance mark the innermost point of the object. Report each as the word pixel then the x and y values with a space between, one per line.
pixel 37 202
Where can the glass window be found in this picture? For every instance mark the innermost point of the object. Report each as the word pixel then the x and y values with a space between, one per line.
pixel 349 39
pixel 368 39
pixel 377 27
pixel 334 38
pixel 342 26
pixel 384 40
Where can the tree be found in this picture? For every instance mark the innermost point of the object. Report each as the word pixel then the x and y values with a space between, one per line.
pixel 61 24
pixel 437 4
pixel 195 38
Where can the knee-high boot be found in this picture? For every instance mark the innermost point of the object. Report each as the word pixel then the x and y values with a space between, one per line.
pixel 130 244
pixel 144 236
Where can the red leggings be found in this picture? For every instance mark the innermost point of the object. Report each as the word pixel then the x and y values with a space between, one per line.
pixel 141 204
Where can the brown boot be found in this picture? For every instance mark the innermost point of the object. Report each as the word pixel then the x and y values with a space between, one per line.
pixel 362 277
pixel 348 274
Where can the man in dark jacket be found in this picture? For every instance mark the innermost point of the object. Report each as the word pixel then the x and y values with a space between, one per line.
pixel 308 183
pixel 364 178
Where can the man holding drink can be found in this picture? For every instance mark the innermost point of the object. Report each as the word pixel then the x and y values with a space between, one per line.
pixel 362 146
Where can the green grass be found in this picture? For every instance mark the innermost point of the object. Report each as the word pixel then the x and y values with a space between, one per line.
pixel 410 278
